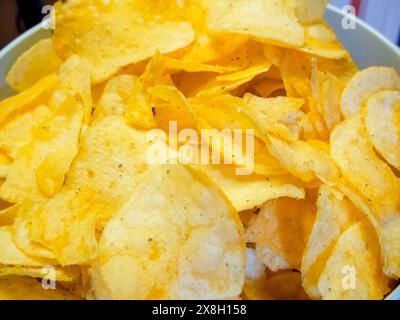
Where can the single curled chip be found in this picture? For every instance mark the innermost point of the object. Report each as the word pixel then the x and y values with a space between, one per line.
pixel 382 124
pixel 364 84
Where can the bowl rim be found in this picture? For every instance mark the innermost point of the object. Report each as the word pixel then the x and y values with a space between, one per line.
pixel 22 37
pixel 368 28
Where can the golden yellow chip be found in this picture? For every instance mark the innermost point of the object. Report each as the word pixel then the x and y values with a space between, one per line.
pixel 280 232
pixel 364 84
pixel 309 11
pixel 176 221
pixel 377 187
pixel 11 255
pixel 272 115
pixel 246 192
pixel 382 124
pixel 265 20
pixel 34 64
pixel 119 33
pixel 45 160
pixel 114 97
pixel 335 213
pixel 353 270
pixel 27 98
pixel 320 40
pixel 306 160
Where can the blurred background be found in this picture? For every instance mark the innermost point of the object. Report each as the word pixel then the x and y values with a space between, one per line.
pixel 16 16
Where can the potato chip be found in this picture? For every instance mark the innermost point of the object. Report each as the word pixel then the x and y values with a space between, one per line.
pixel 194 66
pixel 28 97
pixel 335 213
pixel 19 129
pixel 327 90
pixel 364 84
pixel 7 214
pixel 354 154
pixel 75 78
pixel 114 35
pixel 381 122
pixel 34 64
pixel 320 40
pixel 376 187
pixel 280 232
pixel 139 108
pixel 5 161
pixel 46 159
pixel 196 223
pixel 309 11
pixel 102 177
pixel 114 97
pixel 265 20
pixel 353 270
pixel 207 85
pixel 270 114
pixel 26 288
pixel 306 160
pixel 247 192
pixel 11 255
pixel 20 230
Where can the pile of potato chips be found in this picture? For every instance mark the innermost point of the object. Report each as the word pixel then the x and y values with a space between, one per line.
pixel 85 215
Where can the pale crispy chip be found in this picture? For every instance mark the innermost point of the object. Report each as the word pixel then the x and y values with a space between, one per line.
pixel 320 40
pixel 139 108
pixel 280 232
pixel 265 20
pixel 18 131
pixel 8 213
pixel 353 271
pixel 309 11
pixel 382 124
pixel 114 97
pixel 34 64
pixel 270 114
pixel 185 236
pixel 116 34
pixel 46 159
pixel 364 84
pixel 11 255
pixel 102 177
pixel 246 192
pixel 306 160
pixel 20 229
pixel 75 78
pixel 335 213
pixel 377 188
pixel 28 97
pixel 326 91
pixel 354 154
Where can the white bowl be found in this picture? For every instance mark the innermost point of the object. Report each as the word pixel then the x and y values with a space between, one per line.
pixel 367 47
